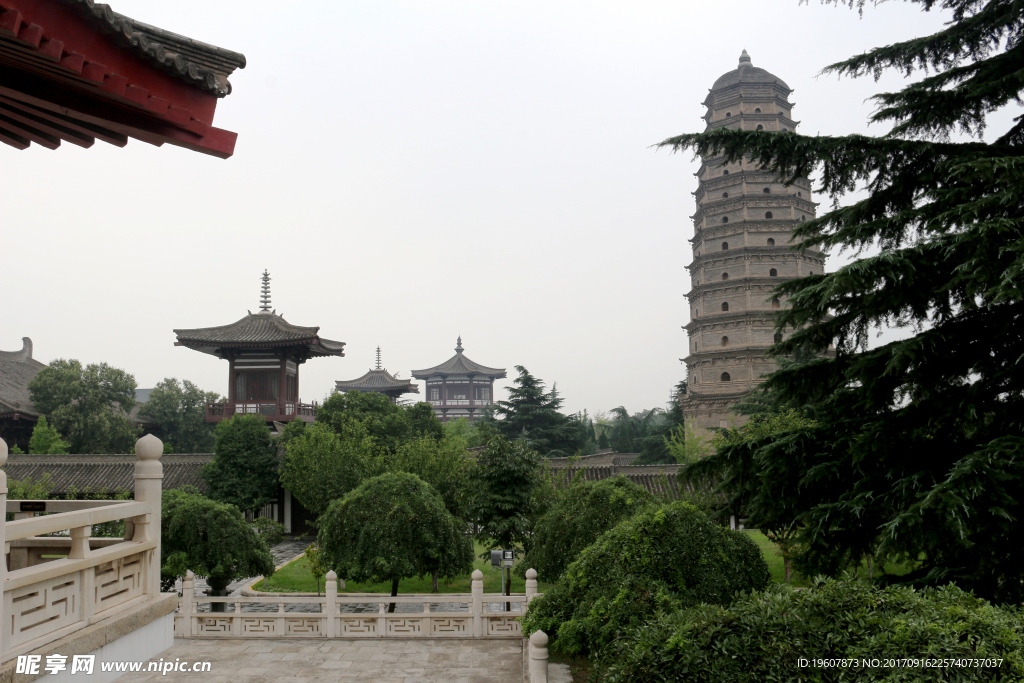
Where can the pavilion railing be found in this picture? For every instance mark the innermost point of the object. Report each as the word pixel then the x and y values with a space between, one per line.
pixel 226 409
pixel 59 584
pixel 354 615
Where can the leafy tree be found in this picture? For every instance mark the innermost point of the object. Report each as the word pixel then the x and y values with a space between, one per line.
pixel 46 440
pixel 602 441
pixel 445 465
pixel 30 489
pixel 584 512
pixel 314 560
pixel 209 538
pixel 508 473
pixel 388 424
pixel 243 471
pixel 321 465
pixel 392 527
pixel 916 448
pixel 178 409
pixel 88 405
pixel 531 414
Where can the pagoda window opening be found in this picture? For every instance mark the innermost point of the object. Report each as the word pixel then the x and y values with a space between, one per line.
pixel 725 172
pixel 757 110
pixel 778 337
pixel 725 219
pixel 760 127
pixel 728 114
pixel 768 214
pixel 725 341
pixel 725 246
pixel 725 305
pixel 802 219
pixel 725 195
pixel 771 241
pixel 725 276
pixel 799 194
pixel 726 377
pixel 767 190
pixel 776 303
pixel 773 273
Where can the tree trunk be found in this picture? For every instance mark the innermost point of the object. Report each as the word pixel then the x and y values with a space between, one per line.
pixel 394 592
pixel 788 568
pixel 871 569
pixel 508 587
pixel 433 583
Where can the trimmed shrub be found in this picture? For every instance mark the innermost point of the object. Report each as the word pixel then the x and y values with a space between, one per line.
pixel 586 510
pixel 762 636
pixel 660 560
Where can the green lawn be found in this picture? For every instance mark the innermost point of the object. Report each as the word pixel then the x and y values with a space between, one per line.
pixel 295 577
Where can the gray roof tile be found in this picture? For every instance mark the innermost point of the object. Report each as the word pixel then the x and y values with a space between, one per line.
pixel 104 472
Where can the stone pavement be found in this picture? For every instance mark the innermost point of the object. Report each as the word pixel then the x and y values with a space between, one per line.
pixel 347 661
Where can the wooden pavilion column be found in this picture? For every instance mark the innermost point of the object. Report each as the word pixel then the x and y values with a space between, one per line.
pixel 282 383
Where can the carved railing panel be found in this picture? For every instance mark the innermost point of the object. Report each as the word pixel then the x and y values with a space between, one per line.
pixel 42 608
pixel 118 581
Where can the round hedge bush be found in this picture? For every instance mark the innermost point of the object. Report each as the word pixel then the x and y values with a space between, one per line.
pixel 585 511
pixel 762 636
pixel 660 560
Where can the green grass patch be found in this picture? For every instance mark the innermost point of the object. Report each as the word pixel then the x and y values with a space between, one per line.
pixel 295 577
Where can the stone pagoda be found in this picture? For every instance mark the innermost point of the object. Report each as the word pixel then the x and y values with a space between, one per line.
pixel 264 352
pixel 741 250
pixel 459 387
pixel 379 381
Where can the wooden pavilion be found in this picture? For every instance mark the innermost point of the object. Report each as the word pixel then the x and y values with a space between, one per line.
pixel 379 381
pixel 264 352
pixel 76 71
pixel 459 387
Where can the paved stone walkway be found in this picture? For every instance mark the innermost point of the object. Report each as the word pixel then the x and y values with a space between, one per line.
pixel 348 661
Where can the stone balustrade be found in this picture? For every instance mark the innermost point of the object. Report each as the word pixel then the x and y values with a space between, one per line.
pixel 58 585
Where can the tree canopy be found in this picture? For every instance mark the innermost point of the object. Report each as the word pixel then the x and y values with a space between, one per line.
pixel 388 424
pixel 88 405
pixel 507 474
pixel 916 448
pixel 209 538
pixel 178 410
pixel 532 414
pixel 46 440
pixel 392 527
pixel 244 469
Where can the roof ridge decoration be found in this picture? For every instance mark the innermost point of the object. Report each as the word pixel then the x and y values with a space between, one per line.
pixel 200 64
pixel 265 292
pixel 24 355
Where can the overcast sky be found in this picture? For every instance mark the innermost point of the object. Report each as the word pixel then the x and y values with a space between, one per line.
pixel 413 171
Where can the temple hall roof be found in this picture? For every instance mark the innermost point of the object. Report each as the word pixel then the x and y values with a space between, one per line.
pixel 105 472
pixel 17 369
pixel 746 72
pixel 459 364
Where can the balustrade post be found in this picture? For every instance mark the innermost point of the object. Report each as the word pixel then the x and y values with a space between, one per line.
pixel 477 589
pixel 149 475
pixel 539 657
pixel 3 542
pixel 531 588
pixel 331 604
pixel 188 603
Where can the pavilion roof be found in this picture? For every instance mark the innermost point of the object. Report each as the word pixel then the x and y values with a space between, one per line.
pixel 75 71
pixel 378 380
pixel 459 364
pixel 258 330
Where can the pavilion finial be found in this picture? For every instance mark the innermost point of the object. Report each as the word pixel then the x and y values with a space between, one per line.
pixel 265 293
pixel 378 358
pixel 745 59
pixel 458 345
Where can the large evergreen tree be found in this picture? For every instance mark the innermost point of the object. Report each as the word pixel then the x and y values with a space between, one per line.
pixel 917 449
pixel 532 414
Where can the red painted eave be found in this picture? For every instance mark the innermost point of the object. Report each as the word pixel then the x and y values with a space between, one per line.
pixel 63 79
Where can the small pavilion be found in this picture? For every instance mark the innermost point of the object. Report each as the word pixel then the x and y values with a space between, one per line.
pixel 459 387
pixel 76 71
pixel 379 381
pixel 264 352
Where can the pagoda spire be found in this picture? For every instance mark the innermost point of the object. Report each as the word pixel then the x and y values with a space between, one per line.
pixel 265 292
pixel 745 59
pixel 378 358
pixel 458 345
